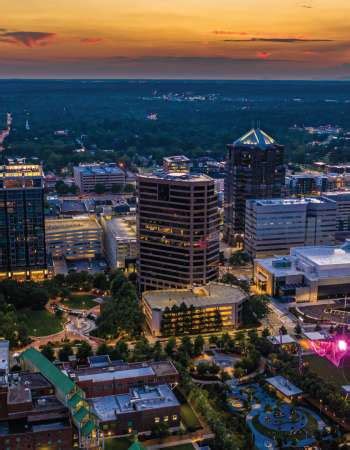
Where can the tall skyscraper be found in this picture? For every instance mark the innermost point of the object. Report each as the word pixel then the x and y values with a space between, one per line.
pixel 177 228
pixel 254 169
pixel 22 229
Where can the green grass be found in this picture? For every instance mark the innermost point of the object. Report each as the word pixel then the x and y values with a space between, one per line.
pixel 117 443
pixel 328 371
pixel 41 323
pixel 188 417
pixel 80 301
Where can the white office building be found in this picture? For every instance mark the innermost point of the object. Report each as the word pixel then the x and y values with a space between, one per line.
pixel 308 274
pixel 119 240
pixel 273 226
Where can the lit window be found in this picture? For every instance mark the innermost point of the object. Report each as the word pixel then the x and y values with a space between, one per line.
pixel 166 418
pixel 156 420
pixel 174 417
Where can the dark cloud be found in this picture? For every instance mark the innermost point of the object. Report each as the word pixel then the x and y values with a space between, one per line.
pixel 278 40
pixel 27 38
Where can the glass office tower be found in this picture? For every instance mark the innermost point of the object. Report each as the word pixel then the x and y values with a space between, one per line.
pixel 22 229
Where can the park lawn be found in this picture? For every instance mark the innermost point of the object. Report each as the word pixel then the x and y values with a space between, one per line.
pixel 117 443
pixel 188 417
pixel 80 301
pixel 328 371
pixel 41 323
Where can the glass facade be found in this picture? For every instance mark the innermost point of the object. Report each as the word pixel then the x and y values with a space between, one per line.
pixel 22 230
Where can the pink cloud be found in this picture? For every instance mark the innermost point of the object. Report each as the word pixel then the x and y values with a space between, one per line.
pixel 263 55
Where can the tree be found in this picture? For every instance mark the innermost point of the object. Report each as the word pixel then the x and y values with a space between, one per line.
pixel 170 346
pixel 117 188
pixel 198 345
pixel 100 281
pixel 99 188
pixel 65 352
pixel 84 351
pixel 255 309
pixel 265 333
pixel 157 351
pixel 240 258
pixel 186 346
pixel 283 330
pixel 48 351
pixel 103 349
pixel 297 329
pixel 120 351
pixel 142 350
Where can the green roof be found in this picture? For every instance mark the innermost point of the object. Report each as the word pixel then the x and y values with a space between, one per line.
pixel 136 446
pixel 79 416
pixel 49 370
pixel 88 427
pixel 73 401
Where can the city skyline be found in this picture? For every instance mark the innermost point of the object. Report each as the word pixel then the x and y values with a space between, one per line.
pixel 107 39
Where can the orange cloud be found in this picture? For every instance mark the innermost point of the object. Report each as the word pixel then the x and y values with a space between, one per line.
pixel 230 33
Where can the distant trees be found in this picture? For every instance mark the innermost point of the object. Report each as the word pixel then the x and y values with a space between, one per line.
pixel 64 189
pixel 48 351
pixel 240 258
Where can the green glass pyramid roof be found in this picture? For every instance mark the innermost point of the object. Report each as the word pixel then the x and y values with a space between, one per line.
pixel 255 137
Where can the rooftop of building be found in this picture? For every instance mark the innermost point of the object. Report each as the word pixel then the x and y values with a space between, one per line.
pixel 162 174
pixel 123 371
pixel 211 294
pixel 78 223
pixel 73 206
pixel 21 170
pixel 291 201
pixel 284 386
pixel 256 138
pixel 122 227
pixel 99 169
pixel 327 257
pixel 138 399
pixel 176 159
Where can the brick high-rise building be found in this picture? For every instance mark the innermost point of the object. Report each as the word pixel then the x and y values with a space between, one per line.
pixel 177 229
pixel 254 169
pixel 22 229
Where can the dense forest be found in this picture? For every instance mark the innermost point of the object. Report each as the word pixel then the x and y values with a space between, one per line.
pixel 113 119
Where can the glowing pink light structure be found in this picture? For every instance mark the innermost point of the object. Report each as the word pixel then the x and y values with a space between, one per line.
pixel 334 350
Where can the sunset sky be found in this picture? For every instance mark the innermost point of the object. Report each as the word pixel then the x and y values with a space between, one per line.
pixel 258 39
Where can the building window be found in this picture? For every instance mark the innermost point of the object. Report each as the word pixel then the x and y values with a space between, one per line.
pixel 174 417
pixel 156 420
pixel 166 418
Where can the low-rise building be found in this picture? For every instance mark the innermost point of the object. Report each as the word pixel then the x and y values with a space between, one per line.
pixel 141 409
pixel 273 226
pixel 74 238
pixel 87 176
pixel 120 240
pixel 118 378
pixel 308 274
pixel 208 308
